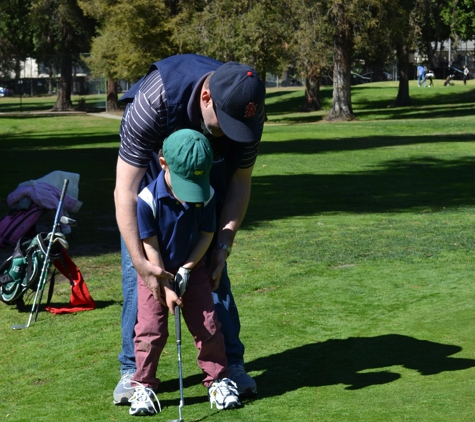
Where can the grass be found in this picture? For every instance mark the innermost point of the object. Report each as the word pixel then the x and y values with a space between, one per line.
pixel 352 272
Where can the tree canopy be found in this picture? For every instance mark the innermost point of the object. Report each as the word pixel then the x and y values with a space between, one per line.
pixel 310 38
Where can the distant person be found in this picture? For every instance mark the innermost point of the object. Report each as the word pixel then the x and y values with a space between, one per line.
pixel 428 77
pixel 465 74
pixel 420 75
pixel 177 220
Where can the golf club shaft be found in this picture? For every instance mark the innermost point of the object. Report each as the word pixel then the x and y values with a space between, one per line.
pixel 180 367
pixel 46 263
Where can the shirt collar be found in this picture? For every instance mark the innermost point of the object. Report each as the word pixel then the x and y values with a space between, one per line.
pixel 162 190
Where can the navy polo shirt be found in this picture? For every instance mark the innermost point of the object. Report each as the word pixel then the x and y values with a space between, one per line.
pixel 176 225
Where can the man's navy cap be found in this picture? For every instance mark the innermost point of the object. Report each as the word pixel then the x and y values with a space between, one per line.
pixel 239 96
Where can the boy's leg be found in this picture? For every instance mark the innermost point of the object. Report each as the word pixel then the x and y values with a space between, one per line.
pixel 200 317
pixel 151 334
pixel 122 391
pixel 202 322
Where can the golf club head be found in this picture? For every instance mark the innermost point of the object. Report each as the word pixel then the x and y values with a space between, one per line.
pixel 68 221
pixel 19 326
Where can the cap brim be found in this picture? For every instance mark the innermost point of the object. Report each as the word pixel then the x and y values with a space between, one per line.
pixel 237 130
pixel 189 191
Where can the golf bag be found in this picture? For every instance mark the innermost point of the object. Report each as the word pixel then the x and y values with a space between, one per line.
pixel 22 270
pixel 17 224
pixel 448 80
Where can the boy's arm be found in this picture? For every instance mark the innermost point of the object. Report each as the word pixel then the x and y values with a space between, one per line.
pixel 183 274
pixel 152 252
pixel 199 250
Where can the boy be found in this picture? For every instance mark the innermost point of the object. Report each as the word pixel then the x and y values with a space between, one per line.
pixel 176 218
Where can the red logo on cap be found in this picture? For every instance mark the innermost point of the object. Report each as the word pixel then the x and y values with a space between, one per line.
pixel 251 110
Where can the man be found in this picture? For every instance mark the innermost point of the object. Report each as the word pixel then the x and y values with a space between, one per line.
pixel 226 103
pixel 421 73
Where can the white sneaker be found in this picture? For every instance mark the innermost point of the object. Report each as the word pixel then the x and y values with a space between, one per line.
pixel 142 402
pixel 223 393
pixel 124 391
pixel 245 384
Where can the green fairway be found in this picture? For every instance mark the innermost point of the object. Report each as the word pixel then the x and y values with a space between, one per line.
pixel 353 270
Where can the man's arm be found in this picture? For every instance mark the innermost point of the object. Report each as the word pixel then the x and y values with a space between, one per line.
pixel 233 212
pixel 170 298
pixel 128 180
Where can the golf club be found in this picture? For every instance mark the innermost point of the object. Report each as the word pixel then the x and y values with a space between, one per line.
pixel 46 263
pixel 180 369
pixel 68 221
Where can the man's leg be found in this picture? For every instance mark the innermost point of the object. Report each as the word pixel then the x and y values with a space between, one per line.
pixel 230 327
pixel 123 392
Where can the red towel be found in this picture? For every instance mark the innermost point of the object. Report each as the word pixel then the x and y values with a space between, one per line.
pixel 80 299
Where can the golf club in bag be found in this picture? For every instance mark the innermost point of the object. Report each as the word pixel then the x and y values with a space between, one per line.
pixel 180 369
pixel 46 264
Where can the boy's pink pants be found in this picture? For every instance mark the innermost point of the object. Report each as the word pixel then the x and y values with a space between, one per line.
pixel 151 330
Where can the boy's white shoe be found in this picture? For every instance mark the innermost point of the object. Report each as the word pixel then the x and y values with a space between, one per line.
pixel 142 402
pixel 223 393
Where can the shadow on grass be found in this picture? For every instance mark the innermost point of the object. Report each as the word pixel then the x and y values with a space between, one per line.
pixel 425 184
pixel 354 362
pixel 368 103
pixel 397 185
pixel 320 146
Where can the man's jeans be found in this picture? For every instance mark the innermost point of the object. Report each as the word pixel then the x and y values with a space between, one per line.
pixel 223 301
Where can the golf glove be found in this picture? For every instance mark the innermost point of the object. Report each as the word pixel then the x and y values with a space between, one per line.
pixel 181 280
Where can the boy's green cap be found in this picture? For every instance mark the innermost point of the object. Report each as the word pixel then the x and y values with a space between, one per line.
pixel 189 157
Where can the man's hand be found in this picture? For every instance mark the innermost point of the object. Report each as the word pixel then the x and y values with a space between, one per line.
pixel 181 279
pixel 152 276
pixel 218 260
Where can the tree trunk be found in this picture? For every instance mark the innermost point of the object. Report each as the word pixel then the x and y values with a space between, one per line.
pixel 112 97
pixel 50 80
pixel 63 101
pixel 341 106
pixel 312 91
pixel 403 99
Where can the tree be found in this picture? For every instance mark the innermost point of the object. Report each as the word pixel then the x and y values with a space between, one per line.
pixel 67 32
pixel 342 46
pixel 412 23
pixel 310 48
pixel 132 35
pixel 459 16
pixel 16 41
pixel 351 19
pixel 252 32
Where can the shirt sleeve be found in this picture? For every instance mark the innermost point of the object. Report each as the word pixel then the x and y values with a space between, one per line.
pixel 143 126
pixel 146 214
pixel 249 155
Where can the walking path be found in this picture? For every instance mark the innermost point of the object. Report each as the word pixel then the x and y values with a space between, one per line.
pixel 60 113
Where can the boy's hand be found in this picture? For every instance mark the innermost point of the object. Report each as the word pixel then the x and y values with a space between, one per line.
pixel 172 299
pixel 181 280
